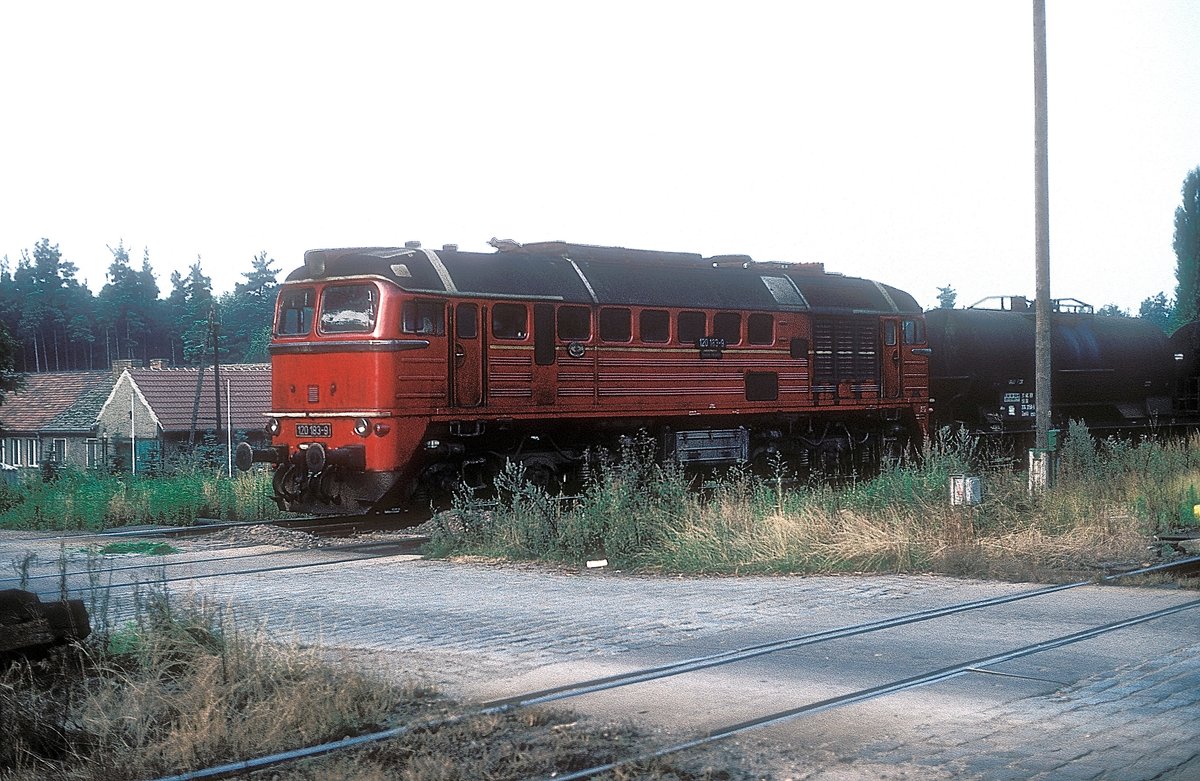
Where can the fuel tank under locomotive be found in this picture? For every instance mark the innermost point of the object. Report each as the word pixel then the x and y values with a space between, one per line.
pixel 1110 372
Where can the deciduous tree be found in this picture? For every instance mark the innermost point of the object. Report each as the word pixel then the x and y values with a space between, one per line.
pixel 1187 250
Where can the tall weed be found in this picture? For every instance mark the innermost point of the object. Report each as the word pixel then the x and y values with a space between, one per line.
pixel 93 500
pixel 1111 496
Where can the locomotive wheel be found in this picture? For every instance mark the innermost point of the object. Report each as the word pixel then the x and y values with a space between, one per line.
pixel 542 474
pixel 288 482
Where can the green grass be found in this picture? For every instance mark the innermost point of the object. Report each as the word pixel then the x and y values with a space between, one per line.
pixel 1111 497
pixel 97 500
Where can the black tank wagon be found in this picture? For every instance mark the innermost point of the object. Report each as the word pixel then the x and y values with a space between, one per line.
pixel 1113 373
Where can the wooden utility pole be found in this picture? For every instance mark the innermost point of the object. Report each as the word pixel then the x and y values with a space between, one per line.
pixel 1042 376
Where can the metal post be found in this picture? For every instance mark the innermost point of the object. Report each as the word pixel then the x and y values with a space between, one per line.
pixel 1041 460
pixel 213 328
pixel 132 431
pixel 229 424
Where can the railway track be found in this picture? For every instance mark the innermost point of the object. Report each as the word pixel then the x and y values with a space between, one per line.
pixel 977 664
pixel 158 571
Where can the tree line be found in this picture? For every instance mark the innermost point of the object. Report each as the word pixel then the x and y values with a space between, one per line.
pixel 50 321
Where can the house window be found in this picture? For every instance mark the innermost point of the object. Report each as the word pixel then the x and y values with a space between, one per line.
pixel 30 452
pixel 93 453
pixel 58 452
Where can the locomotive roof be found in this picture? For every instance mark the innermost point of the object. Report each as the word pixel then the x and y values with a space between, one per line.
pixel 586 274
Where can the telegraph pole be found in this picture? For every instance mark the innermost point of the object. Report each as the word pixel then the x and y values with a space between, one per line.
pixel 1041 177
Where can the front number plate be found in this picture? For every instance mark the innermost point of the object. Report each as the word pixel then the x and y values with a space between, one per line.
pixel 314 430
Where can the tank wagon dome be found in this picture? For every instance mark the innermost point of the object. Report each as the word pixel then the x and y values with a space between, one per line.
pixel 587 274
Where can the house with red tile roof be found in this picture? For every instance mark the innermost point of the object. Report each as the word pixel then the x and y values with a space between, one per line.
pixel 53 417
pixel 164 412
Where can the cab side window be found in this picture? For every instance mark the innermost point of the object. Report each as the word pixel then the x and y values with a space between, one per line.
pixel 423 317
pixel 296 312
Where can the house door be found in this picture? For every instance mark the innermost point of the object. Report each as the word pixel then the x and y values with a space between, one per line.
pixel 467 359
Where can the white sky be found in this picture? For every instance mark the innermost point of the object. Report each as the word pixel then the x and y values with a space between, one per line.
pixel 890 140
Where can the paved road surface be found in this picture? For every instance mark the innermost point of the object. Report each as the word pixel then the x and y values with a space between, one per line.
pixel 1124 706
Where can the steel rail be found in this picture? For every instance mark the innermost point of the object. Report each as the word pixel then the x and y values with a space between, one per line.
pixel 256 571
pixel 750 652
pixel 208 526
pixel 545 696
pixel 156 565
pixel 862 695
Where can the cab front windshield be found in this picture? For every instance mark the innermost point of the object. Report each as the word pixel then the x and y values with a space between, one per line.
pixel 349 309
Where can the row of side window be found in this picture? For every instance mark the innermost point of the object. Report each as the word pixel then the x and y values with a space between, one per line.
pixel 614 324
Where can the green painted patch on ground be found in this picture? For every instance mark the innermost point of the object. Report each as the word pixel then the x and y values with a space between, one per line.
pixel 144 548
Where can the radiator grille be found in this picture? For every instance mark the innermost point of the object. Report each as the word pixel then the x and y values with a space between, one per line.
pixel 845 349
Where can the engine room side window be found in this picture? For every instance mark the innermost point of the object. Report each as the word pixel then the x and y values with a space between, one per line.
pixel 574 323
pixel 690 327
pixel 654 326
pixel 295 312
pixel 349 309
pixel 616 325
pixel 728 326
pixel 760 329
pixel 510 321
pixel 424 317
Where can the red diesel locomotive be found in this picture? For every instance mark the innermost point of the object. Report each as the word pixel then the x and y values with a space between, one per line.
pixel 399 372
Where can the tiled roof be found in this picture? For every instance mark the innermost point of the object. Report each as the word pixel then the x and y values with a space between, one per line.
pixel 171 394
pixel 56 402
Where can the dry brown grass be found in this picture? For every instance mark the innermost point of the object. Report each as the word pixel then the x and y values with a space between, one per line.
pixel 187 689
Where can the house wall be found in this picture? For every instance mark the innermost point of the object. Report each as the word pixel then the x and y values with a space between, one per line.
pixel 114 418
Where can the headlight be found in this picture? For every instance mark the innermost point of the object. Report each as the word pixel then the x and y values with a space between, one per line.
pixel 273 426
pixel 362 427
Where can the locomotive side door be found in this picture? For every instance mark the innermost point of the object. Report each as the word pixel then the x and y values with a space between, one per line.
pixel 466 363
pixel 892 365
